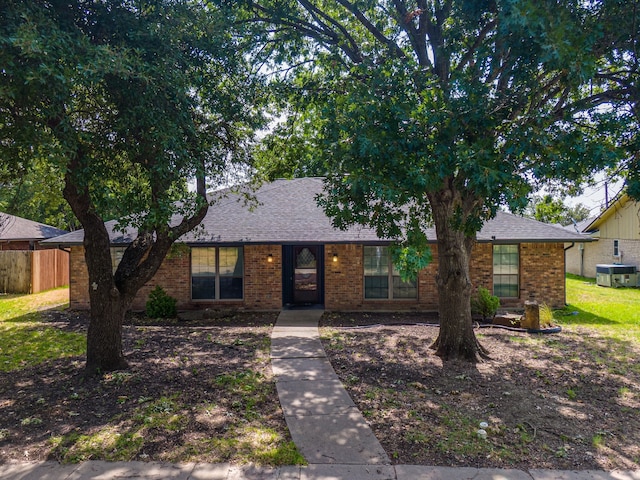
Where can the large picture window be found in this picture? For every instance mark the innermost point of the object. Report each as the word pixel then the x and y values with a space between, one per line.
pixel 217 273
pixel 381 279
pixel 506 271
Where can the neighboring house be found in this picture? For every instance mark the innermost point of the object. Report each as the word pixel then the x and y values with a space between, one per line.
pixel 616 235
pixel 285 251
pixel 18 233
pixel 26 265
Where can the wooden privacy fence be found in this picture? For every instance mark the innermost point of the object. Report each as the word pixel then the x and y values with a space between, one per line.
pixel 23 271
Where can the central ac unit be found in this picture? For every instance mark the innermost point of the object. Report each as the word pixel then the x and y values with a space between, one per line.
pixel 616 275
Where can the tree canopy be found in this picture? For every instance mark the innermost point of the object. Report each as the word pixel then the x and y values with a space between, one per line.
pixel 548 209
pixel 124 102
pixel 439 112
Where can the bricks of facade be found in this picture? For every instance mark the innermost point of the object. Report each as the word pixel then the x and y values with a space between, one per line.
pixel 343 280
pixel 541 276
pixel 174 276
pixel 542 273
pixel 78 280
pixel 344 283
pixel 481 266
pixel 428 298
pixel 630 252
pixel 263 279
pixel 601 252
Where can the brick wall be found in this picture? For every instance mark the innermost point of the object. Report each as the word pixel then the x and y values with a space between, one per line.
pixel 541 277
pixel 599 252
pixel 542 273
pixel 174 276
pixel 263 279
pixel 343 280
pixel 344 283
pixel 78 280
pixel 481 268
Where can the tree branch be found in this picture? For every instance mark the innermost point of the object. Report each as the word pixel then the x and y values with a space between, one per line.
pixel 417 37
pixel 472 50
pixel 315 12
pixel 394 49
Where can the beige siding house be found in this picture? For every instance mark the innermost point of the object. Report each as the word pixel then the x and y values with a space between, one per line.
pixel 616 235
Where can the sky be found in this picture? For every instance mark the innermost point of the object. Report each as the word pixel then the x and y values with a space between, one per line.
pixel 594 197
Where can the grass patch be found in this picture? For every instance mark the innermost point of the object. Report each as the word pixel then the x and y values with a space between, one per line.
pixel 106 444
pixel 25 339
pixel 612 311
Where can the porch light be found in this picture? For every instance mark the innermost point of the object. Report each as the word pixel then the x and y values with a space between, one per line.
pixel 270 258
pixel 335 257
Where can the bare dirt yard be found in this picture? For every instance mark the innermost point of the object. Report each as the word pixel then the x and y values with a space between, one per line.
pixel 204 391
pixel 196 391
pixel 560 401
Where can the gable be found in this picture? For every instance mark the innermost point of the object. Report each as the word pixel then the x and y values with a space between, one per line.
pixel 620 221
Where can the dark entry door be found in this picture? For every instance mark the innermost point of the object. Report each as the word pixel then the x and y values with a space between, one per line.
pixel 303 274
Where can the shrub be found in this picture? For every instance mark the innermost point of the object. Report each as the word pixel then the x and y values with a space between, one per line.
pixel 484 304
pixel 161 305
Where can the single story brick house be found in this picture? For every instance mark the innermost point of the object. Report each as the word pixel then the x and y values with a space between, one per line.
pixel 285 251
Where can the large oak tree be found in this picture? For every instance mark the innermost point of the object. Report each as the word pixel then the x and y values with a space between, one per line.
pixel 441 111
pixel 126 101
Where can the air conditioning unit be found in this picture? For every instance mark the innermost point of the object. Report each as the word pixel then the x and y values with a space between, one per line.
pixel 617 275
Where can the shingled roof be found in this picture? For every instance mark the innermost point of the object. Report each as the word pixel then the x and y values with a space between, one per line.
pixel 287 212
pixel 14 228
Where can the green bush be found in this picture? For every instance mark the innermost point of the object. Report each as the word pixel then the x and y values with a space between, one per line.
pixel 484 304
pixel 161 305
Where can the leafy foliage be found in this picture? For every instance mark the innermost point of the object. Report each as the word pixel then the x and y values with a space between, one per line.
pixel 440 114
pixel 160 304
pixel 552 210
pixel 485 304
pixel 124 103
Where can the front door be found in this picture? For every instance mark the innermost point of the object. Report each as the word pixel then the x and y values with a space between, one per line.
pixel 303 274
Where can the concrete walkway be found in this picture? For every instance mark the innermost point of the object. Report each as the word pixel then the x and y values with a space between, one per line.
pixel 325 425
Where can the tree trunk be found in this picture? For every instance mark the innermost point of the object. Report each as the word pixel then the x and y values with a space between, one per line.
pixel 108 304
pixel 110 294
pixel 104 337
pixel 456 339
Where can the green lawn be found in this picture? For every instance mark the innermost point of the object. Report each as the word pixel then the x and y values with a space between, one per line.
pixel 612 311
pixel 25 339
